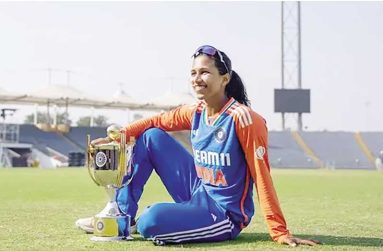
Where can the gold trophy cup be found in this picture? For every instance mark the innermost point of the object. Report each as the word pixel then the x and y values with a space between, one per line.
pixel 107 165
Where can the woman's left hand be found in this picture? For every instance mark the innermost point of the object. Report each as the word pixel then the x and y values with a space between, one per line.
pixel 293 241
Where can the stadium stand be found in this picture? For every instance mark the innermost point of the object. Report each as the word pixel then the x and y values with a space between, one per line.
pixel 77 135
pixel 337 150
pixel 374 141
pixel 284 152
pixel 76 159
pixel 46 140
pixel 21 157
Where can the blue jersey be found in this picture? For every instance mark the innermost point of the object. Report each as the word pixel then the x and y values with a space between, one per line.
pixel 230 155
pixel 221 164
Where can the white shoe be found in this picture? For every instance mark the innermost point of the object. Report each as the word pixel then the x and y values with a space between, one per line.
pixel 86 224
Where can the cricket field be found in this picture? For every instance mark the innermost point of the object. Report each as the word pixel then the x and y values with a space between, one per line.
pixel 342 209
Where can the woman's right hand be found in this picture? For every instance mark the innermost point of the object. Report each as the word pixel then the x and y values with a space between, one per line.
pixel 98 141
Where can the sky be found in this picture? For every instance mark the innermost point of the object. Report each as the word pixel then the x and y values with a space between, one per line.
pixel 146 47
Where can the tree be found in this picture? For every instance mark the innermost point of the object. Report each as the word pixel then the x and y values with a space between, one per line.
pixel 42 117
pixel 100 120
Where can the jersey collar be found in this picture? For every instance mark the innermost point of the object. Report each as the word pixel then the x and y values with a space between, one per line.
pixel 228 104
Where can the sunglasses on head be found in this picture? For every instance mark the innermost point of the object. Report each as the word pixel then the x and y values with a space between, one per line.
pixel 211 51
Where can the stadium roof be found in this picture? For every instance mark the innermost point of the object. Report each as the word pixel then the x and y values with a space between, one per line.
pixel 52 94
pixel 69 96
pixel 171 99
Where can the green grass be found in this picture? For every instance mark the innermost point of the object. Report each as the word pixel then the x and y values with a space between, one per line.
pixel 343 209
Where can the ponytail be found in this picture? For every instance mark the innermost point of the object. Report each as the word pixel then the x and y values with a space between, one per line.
pixel 236 89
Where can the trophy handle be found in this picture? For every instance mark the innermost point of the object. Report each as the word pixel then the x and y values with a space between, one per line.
pixel 122 163
pixel 88 158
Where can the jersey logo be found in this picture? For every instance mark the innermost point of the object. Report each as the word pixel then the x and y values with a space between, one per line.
pixel 260 152
pixel 214 217
pixel 220 135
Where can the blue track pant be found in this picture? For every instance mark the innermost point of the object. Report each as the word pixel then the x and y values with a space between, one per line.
pixel 195 217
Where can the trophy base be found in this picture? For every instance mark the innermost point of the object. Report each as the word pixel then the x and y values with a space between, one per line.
pixel 107 239
pixel 106 227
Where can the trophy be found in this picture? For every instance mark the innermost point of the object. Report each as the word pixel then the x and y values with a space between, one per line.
pixel 107 165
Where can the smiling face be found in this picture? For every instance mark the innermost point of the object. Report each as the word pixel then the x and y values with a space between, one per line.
pixel 206 81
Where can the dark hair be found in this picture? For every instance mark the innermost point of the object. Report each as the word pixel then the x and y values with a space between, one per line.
pixel 235 88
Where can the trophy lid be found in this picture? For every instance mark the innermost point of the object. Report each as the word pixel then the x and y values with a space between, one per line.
pixel 113 132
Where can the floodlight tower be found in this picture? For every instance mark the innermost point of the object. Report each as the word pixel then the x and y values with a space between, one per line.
pixel 7 134
pixel 291 100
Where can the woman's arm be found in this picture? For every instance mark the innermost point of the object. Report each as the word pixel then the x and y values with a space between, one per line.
pixel 253 139
pixel 174 120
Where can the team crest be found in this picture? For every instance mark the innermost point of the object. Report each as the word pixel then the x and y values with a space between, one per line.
pixel 100 159
pixel 220 135
pixel 260 152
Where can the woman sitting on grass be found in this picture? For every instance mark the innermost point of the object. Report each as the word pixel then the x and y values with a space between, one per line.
pixel 213 188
